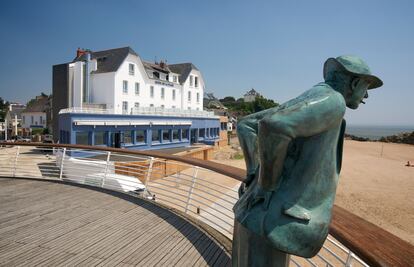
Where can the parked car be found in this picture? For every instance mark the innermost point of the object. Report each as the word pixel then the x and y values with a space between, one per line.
pixel 48 139
pixel 18 138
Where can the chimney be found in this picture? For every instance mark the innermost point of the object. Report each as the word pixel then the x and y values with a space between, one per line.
pixel 80 52
pixel 162 64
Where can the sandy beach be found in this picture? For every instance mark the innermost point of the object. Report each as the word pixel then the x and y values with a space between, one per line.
pixel 374 184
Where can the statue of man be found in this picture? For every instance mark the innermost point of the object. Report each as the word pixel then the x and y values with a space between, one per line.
pixel 293 154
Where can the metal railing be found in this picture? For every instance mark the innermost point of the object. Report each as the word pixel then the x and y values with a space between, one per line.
pixel 200 189
pixel 156 111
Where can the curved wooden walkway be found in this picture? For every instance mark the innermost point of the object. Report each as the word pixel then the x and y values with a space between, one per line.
pixel 53 224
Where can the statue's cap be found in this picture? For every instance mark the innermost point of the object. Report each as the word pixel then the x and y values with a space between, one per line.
pixel 353 65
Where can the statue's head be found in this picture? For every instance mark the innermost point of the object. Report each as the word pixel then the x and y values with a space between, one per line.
pixel 351 76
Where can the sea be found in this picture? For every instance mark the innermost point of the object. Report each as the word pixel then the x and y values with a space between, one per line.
pixel 376 132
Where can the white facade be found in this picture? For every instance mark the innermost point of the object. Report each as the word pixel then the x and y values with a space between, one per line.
pixel 36 119
pixel 132 85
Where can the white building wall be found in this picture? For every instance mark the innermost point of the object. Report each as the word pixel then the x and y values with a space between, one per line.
pixel 193 103
pixel 144 98
pixel 26 121
pixel 77 84
pixel 102 89
pixel 138 77
pixel 107 88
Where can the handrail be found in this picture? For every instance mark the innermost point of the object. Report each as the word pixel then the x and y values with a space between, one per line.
pixel 369 242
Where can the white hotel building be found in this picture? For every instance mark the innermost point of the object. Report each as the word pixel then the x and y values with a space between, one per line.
pixel 112 88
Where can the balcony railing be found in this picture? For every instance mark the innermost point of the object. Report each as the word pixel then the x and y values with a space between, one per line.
pixel 148 111
pixel 201 190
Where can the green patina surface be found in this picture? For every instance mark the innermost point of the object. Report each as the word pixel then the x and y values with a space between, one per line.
pixel 293 156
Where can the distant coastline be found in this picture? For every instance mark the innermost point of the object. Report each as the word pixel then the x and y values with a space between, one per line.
pixel 388 134
pixel 376 132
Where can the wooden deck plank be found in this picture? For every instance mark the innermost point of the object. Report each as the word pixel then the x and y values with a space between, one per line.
pixel 54 224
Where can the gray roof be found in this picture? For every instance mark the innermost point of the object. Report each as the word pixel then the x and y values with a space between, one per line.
pixel 156 67
pixel 109 60
pixel 183 69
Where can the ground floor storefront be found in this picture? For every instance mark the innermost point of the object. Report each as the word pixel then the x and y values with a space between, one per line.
pixel 135 131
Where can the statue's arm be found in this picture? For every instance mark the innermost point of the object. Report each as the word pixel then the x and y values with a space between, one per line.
pixel 303 119
pixel 247 129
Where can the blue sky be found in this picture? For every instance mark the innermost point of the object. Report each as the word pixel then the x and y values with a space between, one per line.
pixel 277 47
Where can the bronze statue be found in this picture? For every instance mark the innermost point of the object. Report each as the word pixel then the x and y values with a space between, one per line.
pixel 293 155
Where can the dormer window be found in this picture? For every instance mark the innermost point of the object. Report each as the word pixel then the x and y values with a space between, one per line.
pixel 191 80
pixel 175 78
pixel 131 69
pixel 156 74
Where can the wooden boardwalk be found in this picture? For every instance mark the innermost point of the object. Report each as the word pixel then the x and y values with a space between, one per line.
pixel 53 224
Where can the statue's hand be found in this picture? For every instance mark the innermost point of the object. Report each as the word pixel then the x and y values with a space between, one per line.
pixel 260 195
pixel 244 185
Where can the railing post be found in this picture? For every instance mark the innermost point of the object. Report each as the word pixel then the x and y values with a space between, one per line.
pixel 148 177
pixel 190 192
pixel 106 168
pixel 15 161
pixel 61 163
pixel 348 262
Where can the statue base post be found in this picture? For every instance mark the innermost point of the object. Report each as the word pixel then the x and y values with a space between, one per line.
pixel 253 250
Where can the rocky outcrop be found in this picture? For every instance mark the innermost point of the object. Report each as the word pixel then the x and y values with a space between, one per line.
pixel 402 138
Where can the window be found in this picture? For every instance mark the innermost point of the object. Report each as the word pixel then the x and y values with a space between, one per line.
pixel 152 91
pixel 175 78
pixel 162 106
pixel 140 136
pixel 155 136
pixel 166 136
pixel 173 107
pixel 191 80
pixel 162 93
pixel 136 88
pixel 151 105
pixel 24 119
pixel 175 135
pixel 127 137
pixel 196 81
pixel 124 107
pixel 189 96
pixel 82 138
pixel 198 97
pixel 202 133
pixel 125 87
pixel 136 105
pixel 185 134
pixel 99 138
pixel 131 69
pixel 156 74
pixel 173 94
pixel 41 120
pixel 31 119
